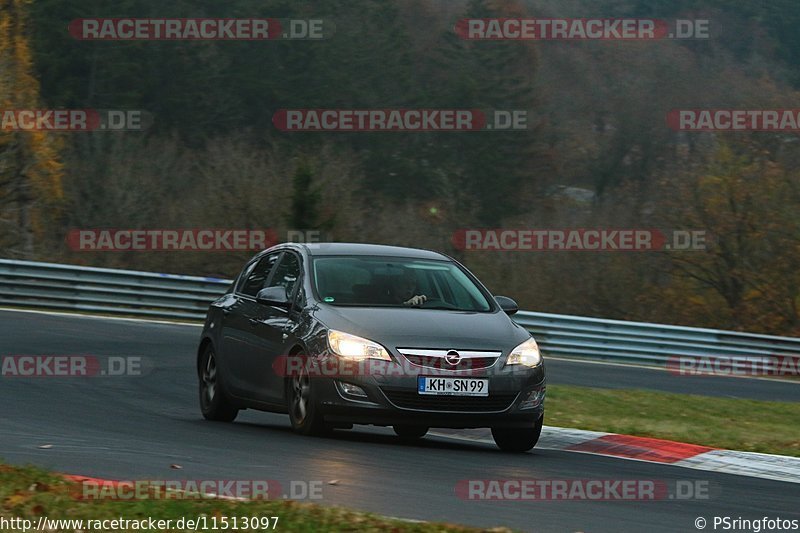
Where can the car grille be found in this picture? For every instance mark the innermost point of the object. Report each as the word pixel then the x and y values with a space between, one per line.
pixel 437 358
pixel 439 362
pixel 411 399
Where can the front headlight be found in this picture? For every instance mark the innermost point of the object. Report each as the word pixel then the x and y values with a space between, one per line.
pixel 526 354
pixel 352 347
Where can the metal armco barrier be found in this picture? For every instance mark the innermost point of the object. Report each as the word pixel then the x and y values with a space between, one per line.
pixel 642 342
pixel 106 290
pixel 149 294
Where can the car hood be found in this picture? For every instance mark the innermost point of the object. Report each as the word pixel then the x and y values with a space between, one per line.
pixel 426 328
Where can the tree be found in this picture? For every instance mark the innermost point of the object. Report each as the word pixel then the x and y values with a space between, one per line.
pixel 747 203
pixel 499 168
pixel 30 168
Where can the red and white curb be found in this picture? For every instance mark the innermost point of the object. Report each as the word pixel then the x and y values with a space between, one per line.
pixel 760 465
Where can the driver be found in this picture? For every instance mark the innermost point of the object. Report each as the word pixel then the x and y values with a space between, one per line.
pixel 403 289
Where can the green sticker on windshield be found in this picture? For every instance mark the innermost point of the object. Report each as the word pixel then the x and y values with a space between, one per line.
pixel 329 299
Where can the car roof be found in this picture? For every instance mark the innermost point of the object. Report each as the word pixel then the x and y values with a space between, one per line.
pixel 378 250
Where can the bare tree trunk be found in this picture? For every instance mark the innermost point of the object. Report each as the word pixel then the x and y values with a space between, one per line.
pixel 23 199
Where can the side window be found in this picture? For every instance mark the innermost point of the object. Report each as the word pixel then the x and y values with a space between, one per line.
pixel 257 277
pixel 286 274
pixel 242 279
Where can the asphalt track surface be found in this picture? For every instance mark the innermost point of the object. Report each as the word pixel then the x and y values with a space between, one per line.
pixel 137 427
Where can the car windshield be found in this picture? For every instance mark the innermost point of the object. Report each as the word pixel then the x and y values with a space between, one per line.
pixel 396 282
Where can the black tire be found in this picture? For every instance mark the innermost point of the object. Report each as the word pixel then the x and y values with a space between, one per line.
pixel 410 432
pixel 518 439
pixel 301 403
pixel 214 404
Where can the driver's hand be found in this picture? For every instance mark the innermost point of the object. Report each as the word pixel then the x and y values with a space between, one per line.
pixel 416 300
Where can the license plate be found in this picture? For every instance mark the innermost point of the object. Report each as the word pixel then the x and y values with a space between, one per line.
pixel 452 386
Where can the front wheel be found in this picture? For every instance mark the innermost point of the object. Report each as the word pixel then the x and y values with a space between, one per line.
pixel 518 439
pixel 303 411
pixel 213 403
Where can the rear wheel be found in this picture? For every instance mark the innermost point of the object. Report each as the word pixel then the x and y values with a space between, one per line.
pixel 300 402
pixel 408 432
pixel 518 439
pixel 213 403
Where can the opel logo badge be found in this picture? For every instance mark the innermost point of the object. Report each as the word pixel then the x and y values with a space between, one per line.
pixel 452 358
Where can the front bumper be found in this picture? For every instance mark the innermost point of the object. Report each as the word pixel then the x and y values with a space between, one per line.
pixel 393 399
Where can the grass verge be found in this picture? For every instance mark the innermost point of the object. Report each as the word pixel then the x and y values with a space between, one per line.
pixel 747 425
pixel 28 492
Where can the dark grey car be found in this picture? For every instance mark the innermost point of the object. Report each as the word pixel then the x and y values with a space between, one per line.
pixel 338 334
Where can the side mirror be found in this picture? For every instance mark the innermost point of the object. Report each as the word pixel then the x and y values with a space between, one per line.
pixel 273 296
pixel 508 305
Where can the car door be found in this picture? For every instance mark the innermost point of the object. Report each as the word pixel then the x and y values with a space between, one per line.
pixel 238 328
pixel 272 329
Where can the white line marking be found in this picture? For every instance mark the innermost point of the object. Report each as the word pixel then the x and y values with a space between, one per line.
pixel 657 368
pixel 102 317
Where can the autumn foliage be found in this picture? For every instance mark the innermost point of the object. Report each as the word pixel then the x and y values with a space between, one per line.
pixel 30 167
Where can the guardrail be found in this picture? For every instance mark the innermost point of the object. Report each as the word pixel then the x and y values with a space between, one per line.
pixel 106 290
pixel 149 294
pixel 642 342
